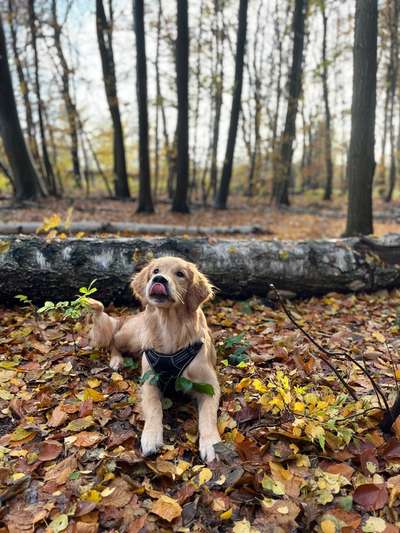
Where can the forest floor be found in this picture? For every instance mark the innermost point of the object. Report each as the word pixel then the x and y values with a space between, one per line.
pixel 298 453
pixel 307 218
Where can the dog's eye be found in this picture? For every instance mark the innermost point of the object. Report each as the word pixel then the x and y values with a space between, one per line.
pixel 180 274
pixel 156 271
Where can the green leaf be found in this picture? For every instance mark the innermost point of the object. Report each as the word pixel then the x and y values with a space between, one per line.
pixel 59 523
pixel 235 339
pixel 130 363
pixel 166 403
pixel 75 475
pixel 150 376
pixel 183 384
pixel 345 502
pixel 48 306
pixel 204 388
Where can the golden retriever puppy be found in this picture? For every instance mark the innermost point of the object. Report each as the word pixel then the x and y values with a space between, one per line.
pixel 173 337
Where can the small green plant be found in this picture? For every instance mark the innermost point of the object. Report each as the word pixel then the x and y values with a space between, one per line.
pixel 240 346
pixel 71 309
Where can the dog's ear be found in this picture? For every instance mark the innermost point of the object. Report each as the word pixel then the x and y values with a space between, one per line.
pixel 139 282
pixel 200 290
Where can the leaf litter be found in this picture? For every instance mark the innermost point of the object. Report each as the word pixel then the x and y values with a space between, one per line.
pixel 298 452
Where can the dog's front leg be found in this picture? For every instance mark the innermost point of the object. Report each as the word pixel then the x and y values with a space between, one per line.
pixel 152 436
pixel 208 414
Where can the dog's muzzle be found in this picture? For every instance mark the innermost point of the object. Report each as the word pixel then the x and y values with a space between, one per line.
pixel 159 287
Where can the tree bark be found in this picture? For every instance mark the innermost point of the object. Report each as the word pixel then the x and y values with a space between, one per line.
pixel 393 80
pixel 180 202
pixel 56 269
pixel 25 178
pixel 48 168
pixel 361 161
pixel 145 202
pixel 70 107
pixel 104 38
pixel 23 84
pixel 223 191
pixel 281 179
pixel 327 139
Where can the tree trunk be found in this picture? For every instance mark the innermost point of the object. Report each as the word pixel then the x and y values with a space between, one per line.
pixel 25 178
pixel 70 107
pixel 361 162
pixel 104 38
pixel 328 141
pixel 223 191
pixel 393 80
pixel 48 168
pixel 218 86
pixel 180 202
pixel 280 191
pixel 23 84
pixel 55 270
pixel 145 203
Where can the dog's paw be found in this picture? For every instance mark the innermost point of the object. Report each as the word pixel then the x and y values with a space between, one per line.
pixel 95 305
pixel 206 448
pixel 151 441
pixel 116 361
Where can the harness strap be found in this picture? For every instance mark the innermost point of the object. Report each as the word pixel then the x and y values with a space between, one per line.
pixel 169 367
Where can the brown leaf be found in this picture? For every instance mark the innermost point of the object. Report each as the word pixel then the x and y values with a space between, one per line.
pixel 136 525
pixel 49 450
pixel 371 496
pixel 61 471
pixel 86 439
pixel 340 468
pixel 120 496
pixel 351 519
pixel 85 527
pixel 58 417
pixel 392 449
pixel 167 508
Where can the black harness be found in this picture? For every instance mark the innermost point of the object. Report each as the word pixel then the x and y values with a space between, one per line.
pixel 169 367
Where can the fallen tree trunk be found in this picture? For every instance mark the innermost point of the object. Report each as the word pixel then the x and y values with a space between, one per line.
pixel 239 268
pixel 16 228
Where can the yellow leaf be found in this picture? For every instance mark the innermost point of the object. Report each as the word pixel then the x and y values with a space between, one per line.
pixel 20 434
pixel 94 395
pixel 378 336
pixel 116 377
pixel 226 515
pixel 107 491
pixel 18 475
pixel 93 383
pixel 5 395
pixel 166 508
pixel 49 223
pixel 244 526
pixel 259 386
pixel 245 382
pixel 204 476
pixel 328 526
pixel 181 467
pixel 91 496
pixel 298 407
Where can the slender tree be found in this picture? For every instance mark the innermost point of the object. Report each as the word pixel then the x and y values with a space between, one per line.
pixel 327 137
pixel 25 178
pixel 393 75
pixel 281 178
pixel 70 107
pixel 23 84
pixel 361 160
pixel 104 37
pixel 47 166
pixel 180 202
pixel 223 191
pixel 145 201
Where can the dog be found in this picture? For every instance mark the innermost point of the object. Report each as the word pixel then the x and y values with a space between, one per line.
pixel 171 335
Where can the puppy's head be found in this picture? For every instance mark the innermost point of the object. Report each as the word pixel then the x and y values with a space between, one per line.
pixel 171 281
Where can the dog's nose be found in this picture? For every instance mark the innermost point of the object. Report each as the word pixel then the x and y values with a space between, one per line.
pixel 160 279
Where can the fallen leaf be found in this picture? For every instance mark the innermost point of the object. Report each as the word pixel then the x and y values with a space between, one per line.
pixel 167 508
pixel 371 496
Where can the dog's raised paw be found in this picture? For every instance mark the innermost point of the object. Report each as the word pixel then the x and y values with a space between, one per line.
pixel 151 441
pixel 206 448
pixel 95 305
pixel 116 362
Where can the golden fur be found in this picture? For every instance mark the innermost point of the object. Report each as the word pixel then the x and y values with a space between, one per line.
pixel 166 326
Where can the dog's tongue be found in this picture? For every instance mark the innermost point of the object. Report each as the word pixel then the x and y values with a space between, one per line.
pixel 158 289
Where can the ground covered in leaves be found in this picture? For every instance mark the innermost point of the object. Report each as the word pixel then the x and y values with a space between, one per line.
pixel 307 218
pixel 298 453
